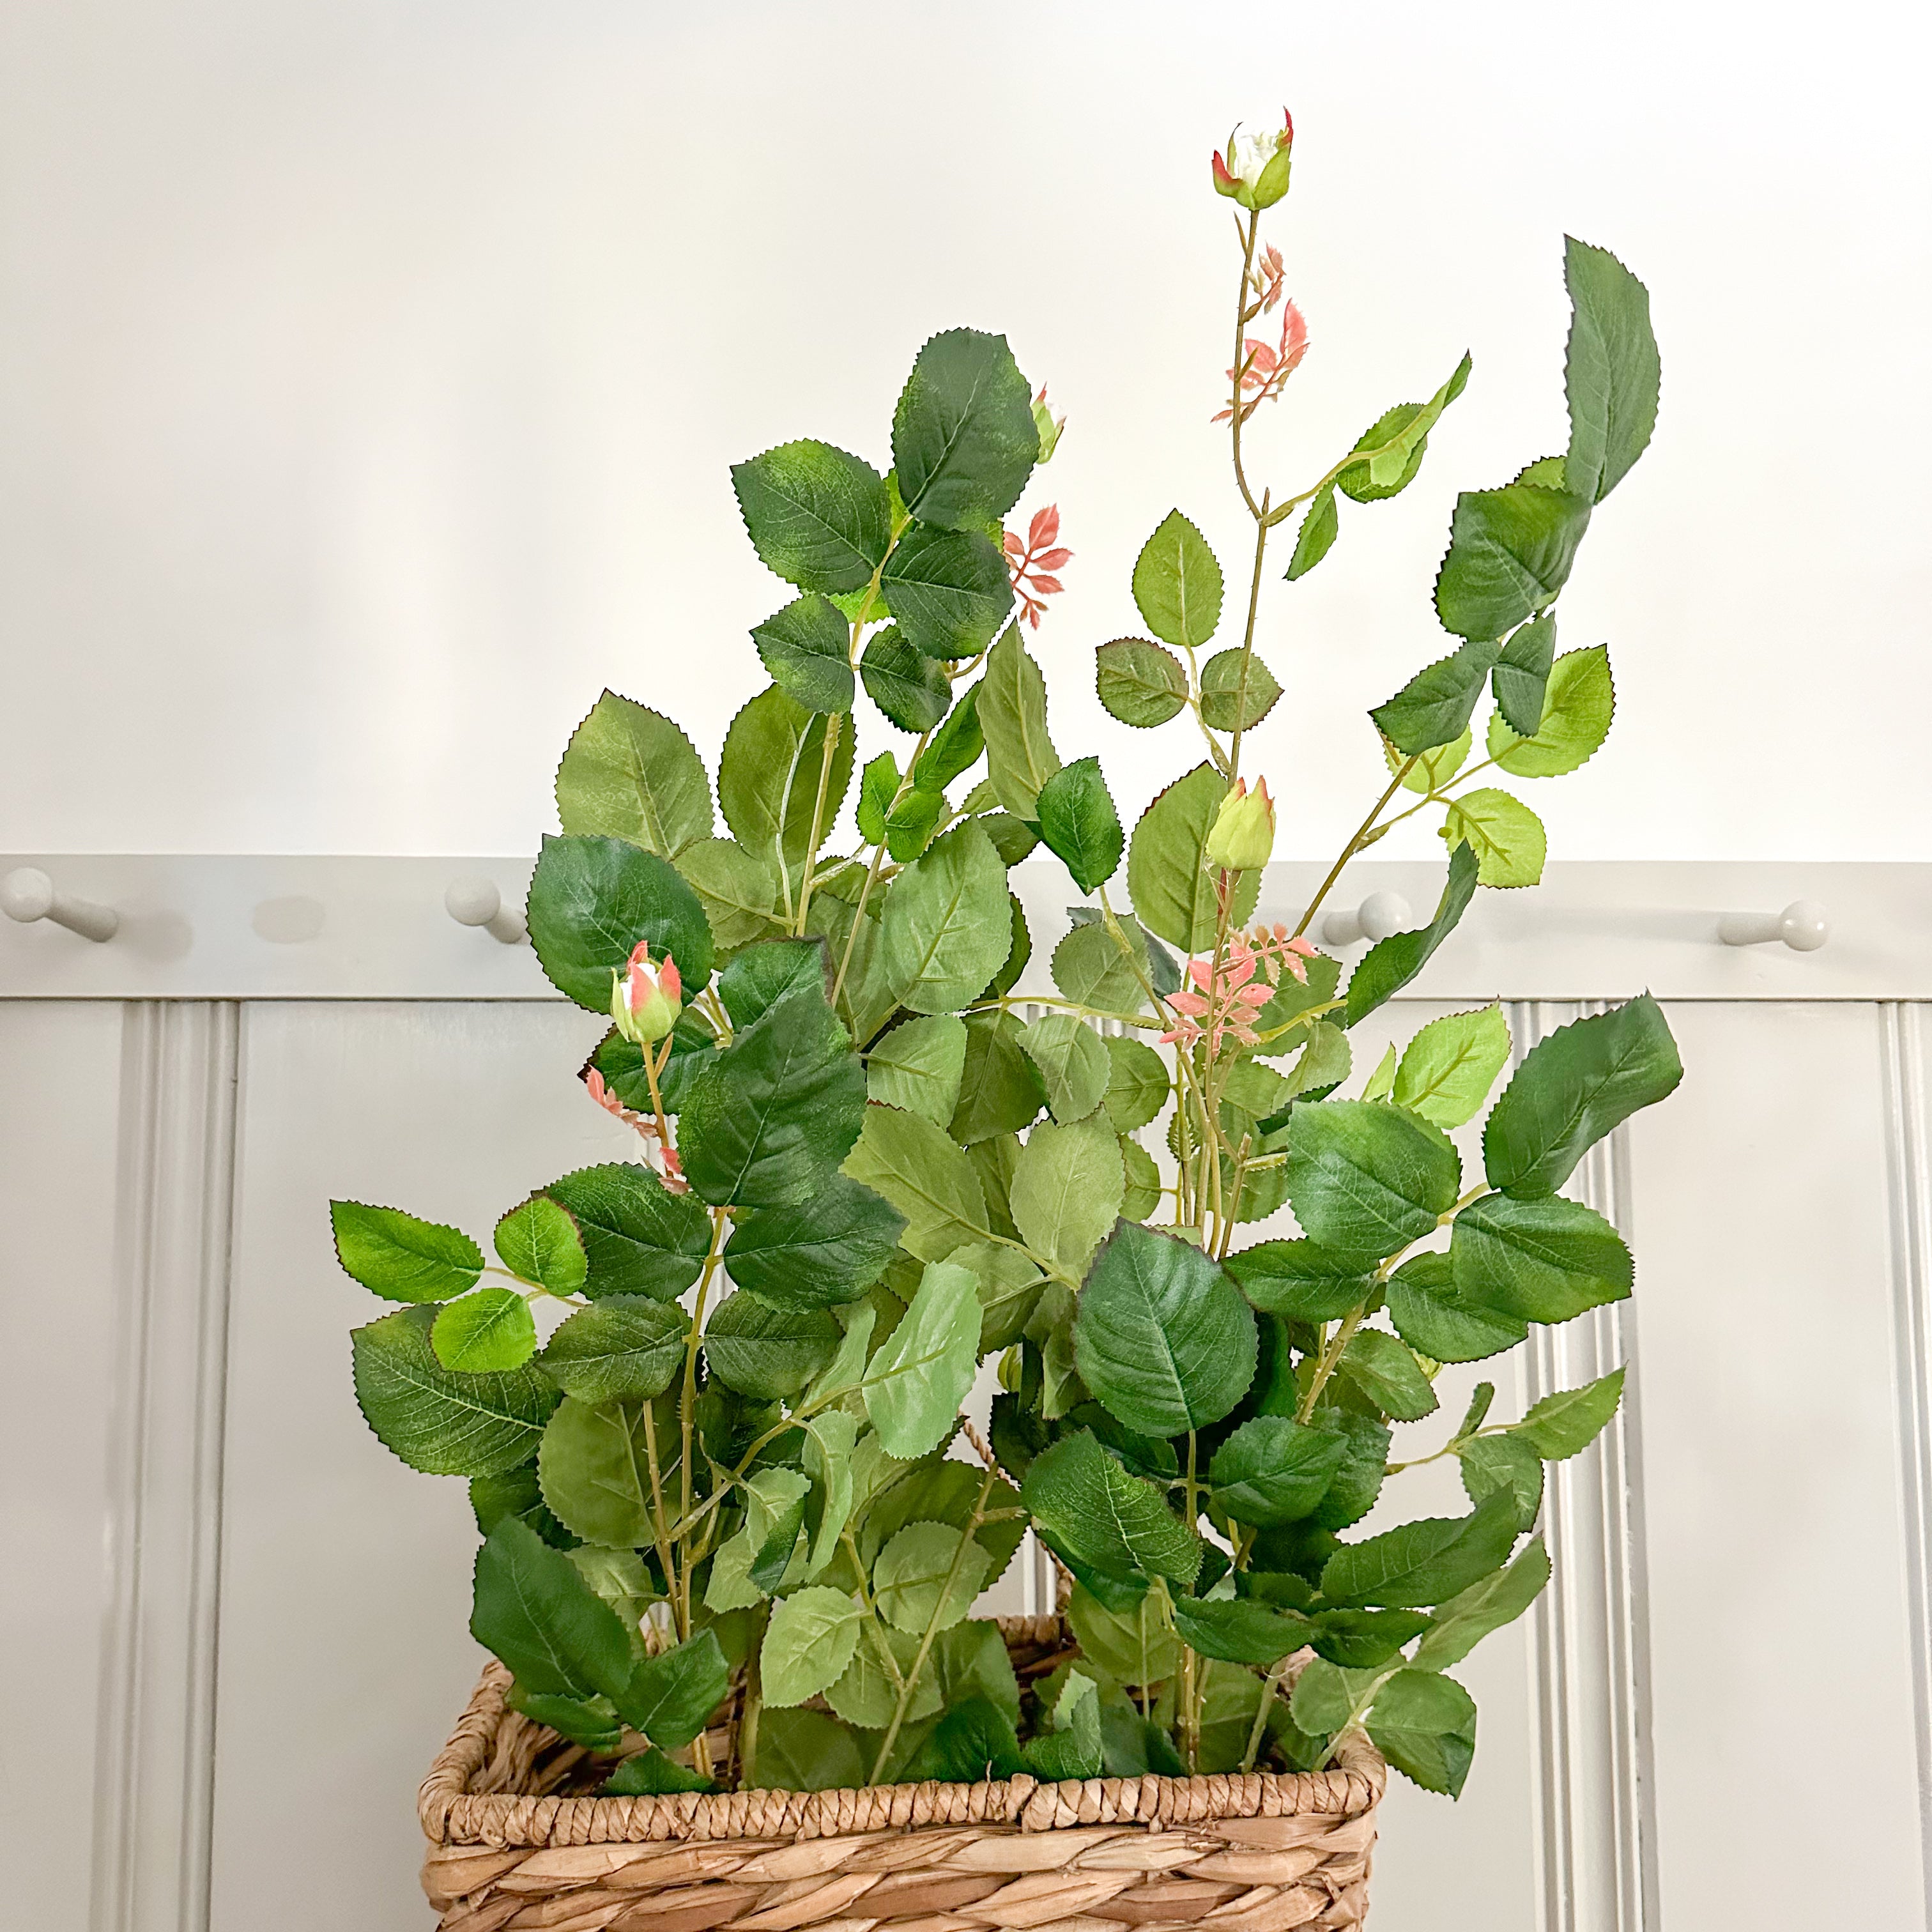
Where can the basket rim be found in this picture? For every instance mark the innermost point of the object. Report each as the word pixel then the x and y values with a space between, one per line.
pixel 451 1814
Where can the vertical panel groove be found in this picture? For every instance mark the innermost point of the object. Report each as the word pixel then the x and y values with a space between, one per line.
pixel 153 1787
pixel 1910 1201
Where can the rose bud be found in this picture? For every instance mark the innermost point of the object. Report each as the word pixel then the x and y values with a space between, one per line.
pixel 1242 835
pixel 1254 173
pixel 644 1000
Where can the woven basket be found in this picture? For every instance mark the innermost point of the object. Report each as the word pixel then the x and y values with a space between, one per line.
pixel 511 1847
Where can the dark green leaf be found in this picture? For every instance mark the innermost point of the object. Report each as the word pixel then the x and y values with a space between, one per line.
pixel 1072 1749
pixel 400 1257
pixel 1138 682
pixel 630 773
pixel 1425 1725
pixel 816 517
pixel 1572 1089
pixel 1272 1470
pixel 911 689
pixel 1104 1518
pixel 766 1351
pixel 1385 1370
pixel 1432 1314
pixel 761 976
pixel 534 1611
pixel 592 1722
pixel 802 1749
pixel 1172 890
pixel 670 1696
pixel 1361 1640
pixel 1301 1280
pixel 949 589
pixel 1391 963
pixel 1358 1480
pixel 827 1248
pixel 638 1238
pixel 1222 703
pixel 1579 702
pixel 1610 371
pixel 1238 1629
pixel 964 441
pixel 1177 584
pixel 1316 537
pixel 516 1492
pixel 593 899
pixel 768 781
pixel 807 647
pixel 438 1421
pixel 1522 672
pixel 1510 552
pixel 1079 824
pixel 1163 1337
pixel 1367 1179
pixel 955 745
pixel 974 1740
pixel 1434 707
pixel 693 1048
pixel 649 1774
pixel 1540 1261
pixel 1493 1463
pixel 1486 1605
pixel 1424 1562
pixel 625 1346
pixel 946 928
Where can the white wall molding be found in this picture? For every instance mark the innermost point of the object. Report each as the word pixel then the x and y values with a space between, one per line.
pixel 155 1762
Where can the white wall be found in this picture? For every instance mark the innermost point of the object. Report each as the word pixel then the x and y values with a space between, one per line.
pixel 371 369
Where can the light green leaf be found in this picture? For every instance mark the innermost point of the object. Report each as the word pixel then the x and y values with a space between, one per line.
pixel 1433 769
pixel 1072 1061
pixel 807 648
pixel 1173 892
pixel 818 516
pixel 1522 676
pixel 1448 1068
pixel 1384 1370
pixel 1163 1337
pixel 766 1351
pixel 1561 1425
pixel 808 1644
pixel 1397 441
pixel 538 1243
pixel 533 1609
pixel 638 1238
pixel 920 1170
pixel 768 781
pixel 878 787
pixel 593 899
pixel 1367 1179
pixel 1272 1470
pixel 1434 708
pixel 1611 373
pixel 1137 1083
pixel 1222 700
pixel 1326 1696
pixel 1424 1562
pixel 649 1774
pixel 1009 1286
pixel 917 1066
pixel 738 894
pixel 866 1694
pixel 489 1330
pixel 1136 1646
pixel 949 589
pixel 1020 757
pixel 916 1382
pixel 1079 824
pixel 595 1468
pixel 1316 537
pixel 1103 1518
pixel 1143 1192
pixel 1067 1190
pixel 1510 552
pixel 927 1574
pixel 1579 702
pixel 1092 968
pixel 911 689
pixel 829 1439
pixel 1425 1725
pixel 846 1369
pixel 1486 1605
pixel 964 441
pixel 1506 836
pixel 1542 1260
pixel 828 1248
pixel 1380 1084
pixel 1138 682
pixel 400 1257
pixel 946 929
pixel 1506 1463
pixel 1177 584
pixel 1071 1750
pixel 1432 1314
pixel 1572 1089
pixel 630 773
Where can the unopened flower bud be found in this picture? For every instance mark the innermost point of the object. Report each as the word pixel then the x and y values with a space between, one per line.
pixel 1255 170
pixel 1242 836
pixel 645 1000
pixel 1047 427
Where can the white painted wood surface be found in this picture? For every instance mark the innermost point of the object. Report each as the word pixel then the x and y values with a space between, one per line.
pixel 234 1623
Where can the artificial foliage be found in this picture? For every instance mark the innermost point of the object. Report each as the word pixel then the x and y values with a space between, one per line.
pixel 861 1174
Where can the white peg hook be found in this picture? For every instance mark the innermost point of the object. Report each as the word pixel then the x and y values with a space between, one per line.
pixel 1377 916
pixel 474 902
pixel 1803 925
pixel 27 894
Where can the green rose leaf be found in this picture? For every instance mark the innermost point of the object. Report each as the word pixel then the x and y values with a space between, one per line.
pixel 777 1110
pixel 1365 1178
pixel 1067 1192
pixel 593 899
pixel 1172 890
pixel 534 1611
pixel 774 1502
pixel 1073 1063
pixel 964 441
pixel 1506 836
pixel 1137 1086
pixel 1434 707
pixel 1224 707
pixel 1432 769
pixel 1446 1070
pixel 400 1257
pixel 538 1243
pixel 829 1248
pixel 1562 1425
pixel 1104 1518
pixel 1611 373
pixel 1396 441
pixel 1301 1280
pixel 440 1422
pixel 638 1238
pixel 1542 1260
pixel 629 772
pixel 768 1352
pixel 591 1722
pixel 1358 1481
pixel 1521 674
pixel 1572 1089
pixel 927 1574
pixel 1579 702
pixel 949 589
pixel 1384 1370
pixel 595 1468
pixel 1177 584
pixel 1424 1562
pixel 916 1382
pixel 1133 1646
pixel 973 1742
pixel 807 647
pixel 1316 537
pixel 911 689
pixel 1361 1640
pixel 1486 1605
pixel 761 976
pixel 1011 712
pixel 917 1066
pixel 808 1644
pixel 1163 1337
pixel 1505 1463
pixel 878 788
pixel 1510 552
pixel 918 1168
pixel 1272 1470
pixel 946 928
pixel 1143 1192
pixel 626 1345
pixel 1092 968
pixel 671 1696
pixel 816 517
pixel 1079 824
pixel 1072 1749
pixel 1391 963
pixel 955 746
pixel 1432 1314
pixel 805 1750
pixel 1238 1629
pixel 768 782
pixel 1425 1725
pixel 649 1774
pixel 1138 682
pixel 738 894
pixel 491 1330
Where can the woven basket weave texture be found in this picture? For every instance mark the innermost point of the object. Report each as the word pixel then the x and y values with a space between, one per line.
pixel 511 1849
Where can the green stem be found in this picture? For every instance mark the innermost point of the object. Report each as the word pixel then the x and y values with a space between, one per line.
pixel 660 1533
pixel 834 724
pixel 688 1401
pixel 1269 1690
pixel 1354 844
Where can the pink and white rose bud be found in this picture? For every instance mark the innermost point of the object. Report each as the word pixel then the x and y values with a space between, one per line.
pixel 1254 172
pixel 1242 837
pixel 645 1000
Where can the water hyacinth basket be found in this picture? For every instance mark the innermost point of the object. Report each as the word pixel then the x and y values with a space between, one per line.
pixel 516 1842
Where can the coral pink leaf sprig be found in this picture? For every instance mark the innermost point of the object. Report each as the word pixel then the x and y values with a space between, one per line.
pixel 646 1124
pixel 1217 1006
pixel 1031 564
pixel 1265 368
